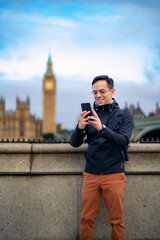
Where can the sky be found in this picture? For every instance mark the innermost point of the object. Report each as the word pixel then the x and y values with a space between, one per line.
pixel 85 38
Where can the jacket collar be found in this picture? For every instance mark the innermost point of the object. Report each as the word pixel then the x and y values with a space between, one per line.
pixel 106 107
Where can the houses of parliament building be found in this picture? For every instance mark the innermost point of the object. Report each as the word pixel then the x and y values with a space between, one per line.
pixel 21 123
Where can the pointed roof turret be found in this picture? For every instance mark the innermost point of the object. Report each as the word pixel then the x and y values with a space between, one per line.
pixel 49 62
pixel 49 67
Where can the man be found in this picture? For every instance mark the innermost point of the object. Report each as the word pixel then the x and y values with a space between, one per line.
pixel 108 133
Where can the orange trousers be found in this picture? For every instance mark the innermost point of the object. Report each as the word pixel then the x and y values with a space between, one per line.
pixel 112 188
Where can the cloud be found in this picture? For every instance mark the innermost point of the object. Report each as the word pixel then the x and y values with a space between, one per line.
pixel 97 3
pixel 37 19
pixel 126 63
pixel 55 21
pixel 102 19
pixel 152 66
pixel 74 54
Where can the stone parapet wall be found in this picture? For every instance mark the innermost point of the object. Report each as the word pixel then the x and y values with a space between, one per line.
pixel 40 192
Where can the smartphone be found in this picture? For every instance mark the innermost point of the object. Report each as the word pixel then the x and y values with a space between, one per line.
pixel 86 107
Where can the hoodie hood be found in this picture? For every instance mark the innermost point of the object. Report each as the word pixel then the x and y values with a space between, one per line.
pixel 109 107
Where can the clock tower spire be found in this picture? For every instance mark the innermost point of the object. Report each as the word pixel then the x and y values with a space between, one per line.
pixel 49 93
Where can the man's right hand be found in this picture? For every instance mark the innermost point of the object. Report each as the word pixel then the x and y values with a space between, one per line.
pixel 83 121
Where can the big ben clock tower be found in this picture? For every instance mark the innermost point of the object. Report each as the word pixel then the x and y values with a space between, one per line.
pixel 49 92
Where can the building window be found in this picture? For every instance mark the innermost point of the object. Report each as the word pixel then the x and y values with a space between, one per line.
pixel 9 127
pixel 21 133
pixel 13 124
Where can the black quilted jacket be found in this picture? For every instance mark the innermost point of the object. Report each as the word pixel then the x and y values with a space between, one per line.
pixel 106 152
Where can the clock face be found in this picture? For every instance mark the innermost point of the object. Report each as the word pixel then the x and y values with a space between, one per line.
pixel 49 85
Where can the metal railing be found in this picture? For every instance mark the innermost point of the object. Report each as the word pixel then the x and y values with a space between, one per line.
pixel 64 140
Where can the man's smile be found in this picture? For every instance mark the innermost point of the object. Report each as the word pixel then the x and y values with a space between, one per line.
pixel 99 100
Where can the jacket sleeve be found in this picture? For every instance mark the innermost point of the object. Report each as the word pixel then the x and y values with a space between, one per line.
pixel 122 138
pixel 77 137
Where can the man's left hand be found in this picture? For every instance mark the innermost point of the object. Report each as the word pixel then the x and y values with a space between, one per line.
pixel 95 121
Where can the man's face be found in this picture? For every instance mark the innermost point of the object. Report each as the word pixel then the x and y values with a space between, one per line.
pixel 101 92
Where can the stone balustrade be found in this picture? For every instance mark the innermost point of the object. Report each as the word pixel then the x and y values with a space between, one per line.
pixel 40 192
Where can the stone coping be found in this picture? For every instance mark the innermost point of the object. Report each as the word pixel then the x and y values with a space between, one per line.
pixel 67 148
pixel 40 159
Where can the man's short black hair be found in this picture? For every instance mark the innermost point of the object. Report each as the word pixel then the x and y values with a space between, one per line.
pixel 108 80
